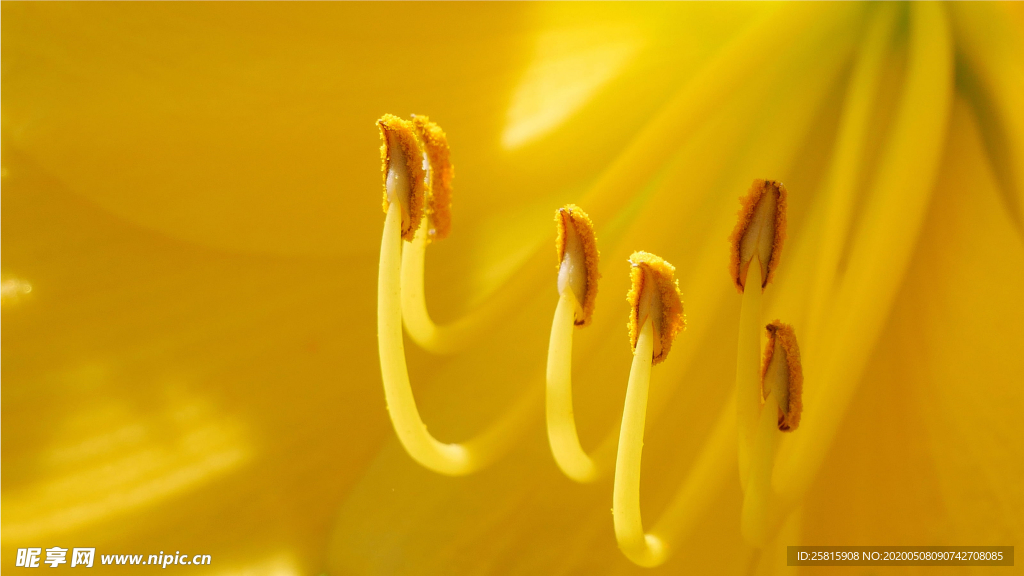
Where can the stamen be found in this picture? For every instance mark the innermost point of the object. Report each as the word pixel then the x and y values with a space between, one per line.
pixel 577 282
pixel 760 231
pixel 439 177
pixel 656 317
pixel 405 182
pixel 576 246
pixel 781 385
pixel 782 375
pixel 655 295
pixel 756 248
pixel 403 171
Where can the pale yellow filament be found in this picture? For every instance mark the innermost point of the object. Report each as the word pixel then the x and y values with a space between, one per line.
pixel 562 435
pixel 757 495
pixel 748 366
pixel 451 459
pixel 448 338
pixel 708 474
pixel 643 549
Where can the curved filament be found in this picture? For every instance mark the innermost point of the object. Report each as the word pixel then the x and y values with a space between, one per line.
pixel 562 436
pixel 450 459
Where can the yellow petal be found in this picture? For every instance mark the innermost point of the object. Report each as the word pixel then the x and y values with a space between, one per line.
pixel 931 447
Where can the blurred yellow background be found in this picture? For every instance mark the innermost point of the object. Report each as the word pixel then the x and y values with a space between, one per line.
pixel 190 231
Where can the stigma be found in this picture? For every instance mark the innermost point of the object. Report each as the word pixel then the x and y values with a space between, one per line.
pixel 759 233
pixel 654 295
pixel 782 374
pixel 576 248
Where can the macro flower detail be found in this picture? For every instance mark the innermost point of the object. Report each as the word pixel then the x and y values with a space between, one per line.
pixel 191 253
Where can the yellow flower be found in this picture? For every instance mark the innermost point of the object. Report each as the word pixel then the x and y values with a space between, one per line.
pixel 191 218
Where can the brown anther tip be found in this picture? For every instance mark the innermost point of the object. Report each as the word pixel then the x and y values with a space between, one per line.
pixel 667 310
pixel 572 215
pixel 439 204
pixel 791 397
pixel 763 212
pixel 395 131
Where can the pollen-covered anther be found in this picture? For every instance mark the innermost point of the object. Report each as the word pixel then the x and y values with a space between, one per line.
pixel 404 175
pixel 782 375
pixel 439 175
pixel 759 233
pixel 654 295
pixel 576 247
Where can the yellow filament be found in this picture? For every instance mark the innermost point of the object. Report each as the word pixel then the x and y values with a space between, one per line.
pixel 562 435
pixel 451 459
pixel 893 218
pixel 757 494
pixel 748 366
pixel 643 549
pixel 695 495
pixel 448 338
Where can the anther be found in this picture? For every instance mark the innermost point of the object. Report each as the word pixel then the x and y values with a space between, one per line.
pixel 576 248
pixel 760 231
pixel 654 294
pixel 403 171
pixel 440 173
pixel 782 375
